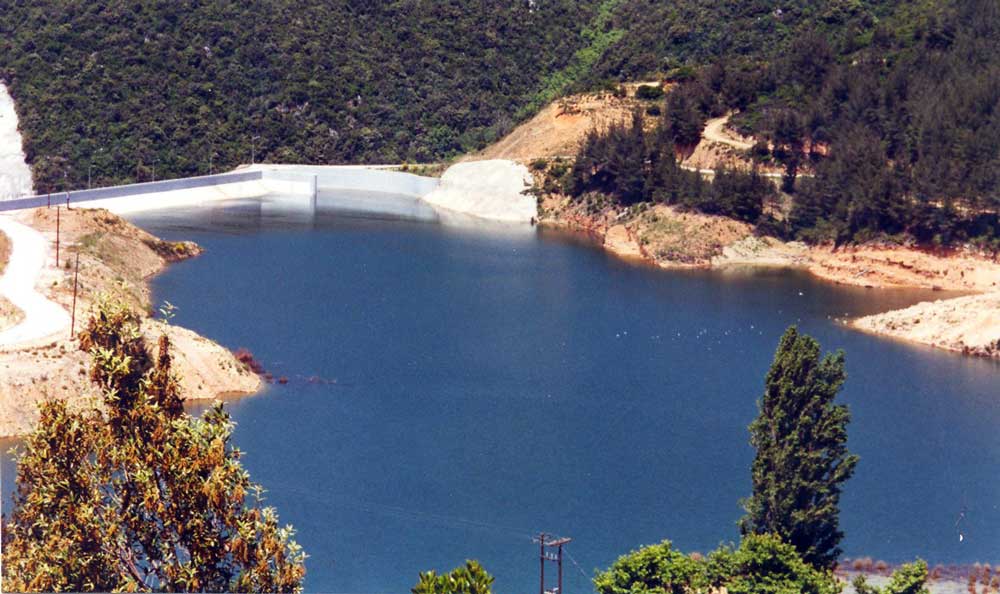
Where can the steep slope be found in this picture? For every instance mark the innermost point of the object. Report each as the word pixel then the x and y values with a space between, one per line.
pixel 133 90
pixel 15 175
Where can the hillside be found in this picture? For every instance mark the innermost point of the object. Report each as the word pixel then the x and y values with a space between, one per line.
pixel 144 89
pixel 894 106
pixel 559 128
pixel 132 91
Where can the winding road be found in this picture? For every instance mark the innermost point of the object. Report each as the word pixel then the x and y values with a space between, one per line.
pixel 42 317
pixel 715 131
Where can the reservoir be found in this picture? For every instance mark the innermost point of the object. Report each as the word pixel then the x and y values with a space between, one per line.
pixel 453 390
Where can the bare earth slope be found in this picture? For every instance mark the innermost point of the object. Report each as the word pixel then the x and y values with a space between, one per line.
pixel 115 258
pixel 559 129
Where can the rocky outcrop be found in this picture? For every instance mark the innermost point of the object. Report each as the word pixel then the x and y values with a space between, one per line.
pixel 969 325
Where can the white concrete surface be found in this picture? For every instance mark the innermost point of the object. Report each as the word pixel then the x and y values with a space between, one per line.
pixel 178 198
pixel 493 190
pixel 297 184
pixel 29 256
pixel 15 175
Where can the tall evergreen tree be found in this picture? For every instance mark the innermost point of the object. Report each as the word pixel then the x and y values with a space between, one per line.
pixel 802 457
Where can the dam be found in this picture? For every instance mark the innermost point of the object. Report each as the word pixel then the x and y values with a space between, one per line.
pixel 493 190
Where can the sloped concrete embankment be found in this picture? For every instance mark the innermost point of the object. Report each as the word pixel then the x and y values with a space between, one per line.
pixel 15 175
pixel 494 190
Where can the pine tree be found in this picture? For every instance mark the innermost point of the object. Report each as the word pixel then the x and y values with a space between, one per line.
pixel 802 458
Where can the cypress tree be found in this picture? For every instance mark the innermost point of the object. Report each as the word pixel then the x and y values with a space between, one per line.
pixel 802 458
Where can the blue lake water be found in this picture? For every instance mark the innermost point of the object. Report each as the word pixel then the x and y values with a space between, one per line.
pixel 492 383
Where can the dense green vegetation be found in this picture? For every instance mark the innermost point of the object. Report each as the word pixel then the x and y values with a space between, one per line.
pixel 908 579
pixel 896 108
pixel 801 440
pixel 892 105
pixel 662 37
pixel 634 166
pixel 762 564
pixel 139 496
pixel 470 578
pixel 152 88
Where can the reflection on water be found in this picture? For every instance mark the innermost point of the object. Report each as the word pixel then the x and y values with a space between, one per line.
pixel 492 382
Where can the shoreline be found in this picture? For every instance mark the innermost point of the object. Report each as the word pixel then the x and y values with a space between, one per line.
pixel 968 324
pixel 115 257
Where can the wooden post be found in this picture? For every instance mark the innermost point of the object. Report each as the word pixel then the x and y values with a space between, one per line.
pixel 57 236
pixel 76 277
pixel 541 557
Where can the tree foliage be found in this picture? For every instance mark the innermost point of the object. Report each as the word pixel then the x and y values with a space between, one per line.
pixel 633 166
pixel 468 579
pixel 656 568
pixel 178 86
pixel 802 459
pixel 762 564
pixel 910 578
pixel 140 496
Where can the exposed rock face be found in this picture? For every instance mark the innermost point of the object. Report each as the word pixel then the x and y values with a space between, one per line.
pixel 969 325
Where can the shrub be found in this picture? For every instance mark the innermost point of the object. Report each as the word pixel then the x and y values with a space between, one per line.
pixel 655 568
pixel 649 92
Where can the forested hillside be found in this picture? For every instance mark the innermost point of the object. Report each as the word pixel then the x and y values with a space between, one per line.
pixel 900 123
pixel 660 36
pixel 173 88
pixel 894 105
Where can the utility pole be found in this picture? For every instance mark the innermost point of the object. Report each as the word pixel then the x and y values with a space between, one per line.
pixel 57 236
pixel 546 542
pixel 76 278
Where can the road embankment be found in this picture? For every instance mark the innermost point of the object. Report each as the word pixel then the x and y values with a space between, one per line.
pixel 115 258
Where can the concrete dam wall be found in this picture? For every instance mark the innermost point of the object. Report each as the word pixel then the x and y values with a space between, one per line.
pixel 490 190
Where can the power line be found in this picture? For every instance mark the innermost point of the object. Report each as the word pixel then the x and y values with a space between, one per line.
pixel 580 569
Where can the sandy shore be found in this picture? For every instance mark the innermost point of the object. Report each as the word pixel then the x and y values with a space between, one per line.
pixel 118 258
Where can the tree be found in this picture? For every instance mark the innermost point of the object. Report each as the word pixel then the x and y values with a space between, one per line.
pixel 908 579
pixel 762 564
pixel 140 496
pixel 683 118
pixel 765 565
pixel 656 568
pixel 469 579
pixel 802 458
